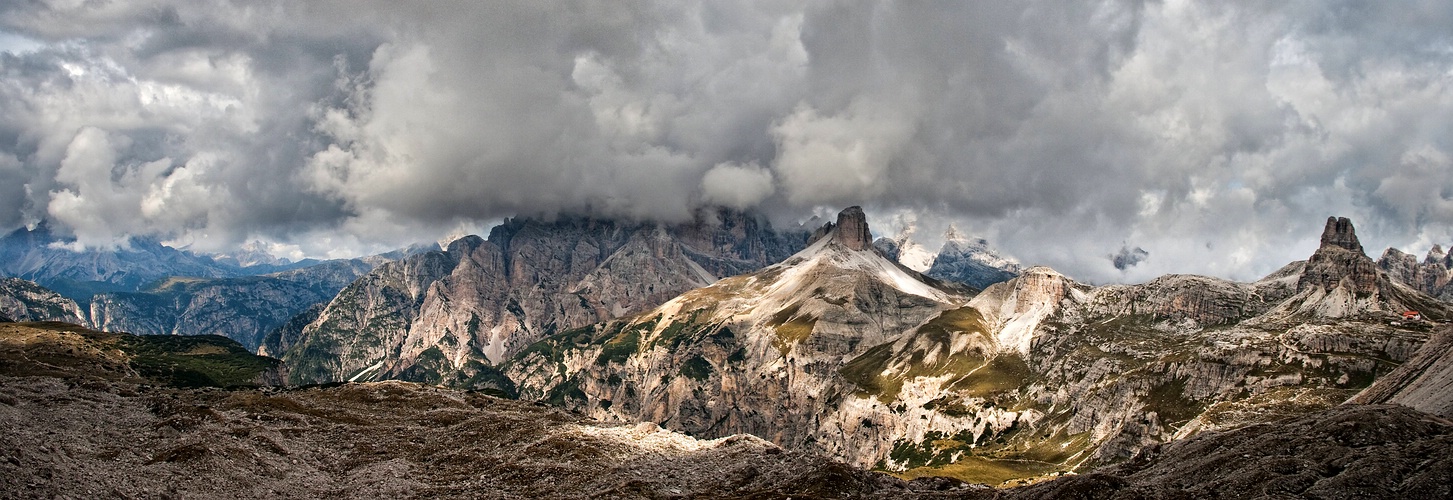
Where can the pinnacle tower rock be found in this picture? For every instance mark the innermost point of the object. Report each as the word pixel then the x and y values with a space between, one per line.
pixel 852 229
pixel 1339 259
pixel 1339 232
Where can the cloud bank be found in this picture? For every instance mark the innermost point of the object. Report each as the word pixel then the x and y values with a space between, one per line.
pixel 1216 136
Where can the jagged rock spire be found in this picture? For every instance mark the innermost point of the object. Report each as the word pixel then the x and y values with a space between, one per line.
pixel 852 229
pixel 1339 232
pixel 1340 258
pixel 1436 255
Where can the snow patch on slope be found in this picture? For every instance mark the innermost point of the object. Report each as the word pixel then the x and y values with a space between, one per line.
pixel 825 253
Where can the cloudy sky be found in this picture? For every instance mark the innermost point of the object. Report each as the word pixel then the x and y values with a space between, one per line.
pixel 1214 137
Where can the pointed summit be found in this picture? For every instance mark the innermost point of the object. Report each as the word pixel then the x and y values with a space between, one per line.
pixel 953 234
pixel 852 229
pixel 1340 261
pixel 1436 255
pixel 1340 233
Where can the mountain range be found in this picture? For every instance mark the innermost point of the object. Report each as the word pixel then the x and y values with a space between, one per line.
pixel 453 315
pixel 841 351
pixel 822 340
pixel 146 287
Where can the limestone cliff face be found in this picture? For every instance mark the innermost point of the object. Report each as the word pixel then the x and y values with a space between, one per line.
pixel 1433 275
pixel 1193 300
pixel 871 369
pixel 448 317
pixel 1014 309
pixel 852 229
pixel 365 322
pixel 23 300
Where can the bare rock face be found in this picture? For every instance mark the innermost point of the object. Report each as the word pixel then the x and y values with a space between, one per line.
pixel 1339 281
pixel 23 300
pixel 852 229
pixel 1350 451
pixel 1424 382
pixel 1201 300
pixel 814 354
pixel 1433 275
pixel 1340 262
pixel 1436 255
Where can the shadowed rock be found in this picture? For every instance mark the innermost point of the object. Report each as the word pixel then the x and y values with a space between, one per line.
pixel 852 229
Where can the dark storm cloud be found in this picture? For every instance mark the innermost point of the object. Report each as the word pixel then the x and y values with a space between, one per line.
pixel 1058 130
pixel 1127 257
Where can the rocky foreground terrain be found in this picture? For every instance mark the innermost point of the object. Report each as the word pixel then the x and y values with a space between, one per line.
pixel 78 419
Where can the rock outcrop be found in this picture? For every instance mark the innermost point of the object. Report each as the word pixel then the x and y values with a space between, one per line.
pixel 1340 281
pixel 852 229
pixel 23 300
pixel 1432 276
pixel 1346 452
pixel 1340 263
pixel 1424 382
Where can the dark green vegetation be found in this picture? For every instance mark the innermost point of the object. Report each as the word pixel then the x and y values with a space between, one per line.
pixel 475 373
pixel 791 327
pixel 619 345
pixel 696 368
pixel 881 371
pixel 195 361
pixel 181 361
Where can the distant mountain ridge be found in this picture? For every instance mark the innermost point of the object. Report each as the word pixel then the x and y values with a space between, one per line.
pixel 40 256
pixel 961 259
pixel 148 288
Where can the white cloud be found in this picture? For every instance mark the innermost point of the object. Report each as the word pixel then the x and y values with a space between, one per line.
pixel 1215 136
pixel 737 186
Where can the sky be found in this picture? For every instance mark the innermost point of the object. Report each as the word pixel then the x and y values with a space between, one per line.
pixel 1114 141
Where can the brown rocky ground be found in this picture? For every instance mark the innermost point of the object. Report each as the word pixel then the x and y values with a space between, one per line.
pixel 1349 451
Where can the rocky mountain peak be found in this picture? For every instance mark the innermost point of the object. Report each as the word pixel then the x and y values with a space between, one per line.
pixel 852 229
pixel 1436 256
pixel 1340 260
pixel 1340 233
pixel 953 234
